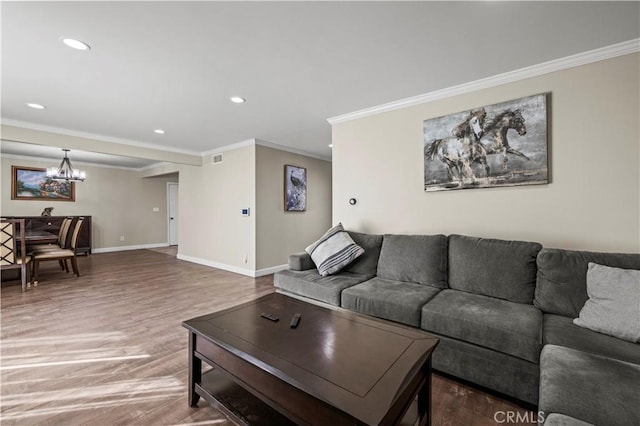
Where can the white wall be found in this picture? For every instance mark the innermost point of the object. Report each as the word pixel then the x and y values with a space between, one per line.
pixel 120 202
pixel 281 233
pixel 592 202
pixel 212 230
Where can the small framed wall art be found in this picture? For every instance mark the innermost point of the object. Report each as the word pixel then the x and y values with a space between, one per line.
pixel 31 183
pixel 295 189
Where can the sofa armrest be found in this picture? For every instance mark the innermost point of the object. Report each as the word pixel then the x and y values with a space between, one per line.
pixel 301 262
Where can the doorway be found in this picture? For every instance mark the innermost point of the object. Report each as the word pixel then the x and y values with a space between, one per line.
pixel 172 213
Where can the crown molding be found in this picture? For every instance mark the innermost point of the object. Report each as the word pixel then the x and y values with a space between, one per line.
pixel 255 142
pixel 95 136
pixel 233 146
pixel 596 55
pixel 291 150
pixel 75 162
pixel 154 165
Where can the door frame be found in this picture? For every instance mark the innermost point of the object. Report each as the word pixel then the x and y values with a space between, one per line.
pixel 169 212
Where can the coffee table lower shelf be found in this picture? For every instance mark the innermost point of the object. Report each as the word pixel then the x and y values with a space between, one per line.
pixel 241 407
pixel 236 402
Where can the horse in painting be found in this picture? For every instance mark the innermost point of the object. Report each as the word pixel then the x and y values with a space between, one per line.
pixel 495 139
pixel 458 151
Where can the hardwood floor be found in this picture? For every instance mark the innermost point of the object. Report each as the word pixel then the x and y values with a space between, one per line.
pixel 108 348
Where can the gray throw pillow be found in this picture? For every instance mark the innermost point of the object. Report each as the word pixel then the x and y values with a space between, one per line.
pixel 333 251
pixel 613 307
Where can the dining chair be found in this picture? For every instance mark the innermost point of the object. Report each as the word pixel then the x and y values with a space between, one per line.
pixel 62 243
pixel 62 237
pixel 13 252
pixel 62 254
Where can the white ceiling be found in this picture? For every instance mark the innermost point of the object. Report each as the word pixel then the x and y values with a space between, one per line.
pixel 174 65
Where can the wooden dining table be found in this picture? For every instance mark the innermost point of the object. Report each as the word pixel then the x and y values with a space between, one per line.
pixel 32 237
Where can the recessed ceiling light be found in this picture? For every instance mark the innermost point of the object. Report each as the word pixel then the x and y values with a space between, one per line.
pixel 35 106
pixel 76 44
pixel 237 100
pixel 159 131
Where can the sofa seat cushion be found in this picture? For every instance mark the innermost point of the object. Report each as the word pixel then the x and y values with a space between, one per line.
pixel 495 370
pixel 555 419
pixel 314 286
pixel 588 387
pixel 560 330
pixel 561 288
pixel 420 259
pixel 504 326
pixel 497 268
pixel 389 299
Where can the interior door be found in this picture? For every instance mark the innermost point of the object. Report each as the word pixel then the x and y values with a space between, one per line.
pixel 172 191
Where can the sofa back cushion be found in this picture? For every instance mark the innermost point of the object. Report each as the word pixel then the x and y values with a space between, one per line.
pixel 496 268
pixel 367 263
pixel 420 259
pixel 561 288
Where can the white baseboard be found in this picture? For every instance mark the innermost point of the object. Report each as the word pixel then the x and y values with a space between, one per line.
pixel 271 270
pixel 125 248
pixel 243 271
pixel 218 265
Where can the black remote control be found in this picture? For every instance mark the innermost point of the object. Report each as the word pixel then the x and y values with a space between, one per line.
pixel 270 317
pixel 295 320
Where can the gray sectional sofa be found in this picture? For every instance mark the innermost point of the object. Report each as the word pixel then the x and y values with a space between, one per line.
pixel 585 375
pixel 503 311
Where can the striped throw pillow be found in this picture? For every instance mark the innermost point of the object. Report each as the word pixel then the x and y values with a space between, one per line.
pixel 333 251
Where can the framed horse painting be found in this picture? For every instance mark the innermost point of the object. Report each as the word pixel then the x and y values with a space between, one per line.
pixel 503 144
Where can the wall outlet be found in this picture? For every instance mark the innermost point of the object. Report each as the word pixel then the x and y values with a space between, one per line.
pixel 245 259
pixel 121 237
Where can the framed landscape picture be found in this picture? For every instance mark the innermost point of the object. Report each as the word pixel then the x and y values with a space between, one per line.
pixel 30 183
pixel 295 189
pixel 495 145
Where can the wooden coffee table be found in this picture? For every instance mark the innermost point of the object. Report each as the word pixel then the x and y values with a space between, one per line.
pixel 337 367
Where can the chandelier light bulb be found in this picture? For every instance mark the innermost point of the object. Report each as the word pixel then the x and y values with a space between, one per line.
pixel 65 171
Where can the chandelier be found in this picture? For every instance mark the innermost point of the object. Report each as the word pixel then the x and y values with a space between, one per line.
pixel 65 172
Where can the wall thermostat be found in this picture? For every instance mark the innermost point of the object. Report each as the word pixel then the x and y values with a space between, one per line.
pixel 245 212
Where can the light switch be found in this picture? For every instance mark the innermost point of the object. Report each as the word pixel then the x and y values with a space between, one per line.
pixel 156 209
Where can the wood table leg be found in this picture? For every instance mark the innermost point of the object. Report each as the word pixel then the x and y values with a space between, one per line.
pixel 195 371
pixel 424 397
